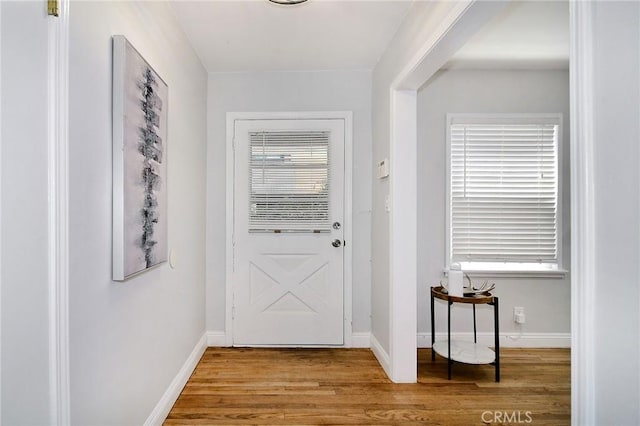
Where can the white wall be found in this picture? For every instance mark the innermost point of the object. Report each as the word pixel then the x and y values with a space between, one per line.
pixel 25 364
pixel 289 91
pixel 421 21
pixel 129 339
pixel 546 300
pixel 616 156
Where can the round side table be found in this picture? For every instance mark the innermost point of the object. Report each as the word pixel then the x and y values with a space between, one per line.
pixel 462 351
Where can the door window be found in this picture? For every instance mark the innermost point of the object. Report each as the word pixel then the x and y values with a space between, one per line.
pixel 289 181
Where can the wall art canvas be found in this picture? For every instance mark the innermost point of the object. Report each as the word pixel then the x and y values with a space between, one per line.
pixel 139 163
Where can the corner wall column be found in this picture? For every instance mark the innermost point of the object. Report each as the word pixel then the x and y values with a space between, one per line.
pixel 404 223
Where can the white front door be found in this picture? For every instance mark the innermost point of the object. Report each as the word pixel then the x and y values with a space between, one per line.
pixel 288 232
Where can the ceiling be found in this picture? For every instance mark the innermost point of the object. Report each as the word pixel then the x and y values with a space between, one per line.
pixel 257 35
pixel 532 34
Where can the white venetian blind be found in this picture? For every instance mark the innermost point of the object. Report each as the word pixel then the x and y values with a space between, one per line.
pixel 504 190
pixel 289 181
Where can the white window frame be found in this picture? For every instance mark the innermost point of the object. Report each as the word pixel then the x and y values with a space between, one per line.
pixel 507 268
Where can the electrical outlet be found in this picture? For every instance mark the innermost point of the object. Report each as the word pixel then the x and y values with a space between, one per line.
pixel 518 314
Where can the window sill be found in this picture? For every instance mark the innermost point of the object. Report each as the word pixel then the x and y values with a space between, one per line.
pixel 473 273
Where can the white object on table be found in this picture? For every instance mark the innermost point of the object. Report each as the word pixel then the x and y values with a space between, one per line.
pixel 455 280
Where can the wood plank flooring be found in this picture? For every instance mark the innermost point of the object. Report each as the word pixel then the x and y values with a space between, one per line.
pixel 251 386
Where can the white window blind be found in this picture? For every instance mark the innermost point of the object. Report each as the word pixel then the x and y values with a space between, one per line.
pixel 289 181
pixel 504 190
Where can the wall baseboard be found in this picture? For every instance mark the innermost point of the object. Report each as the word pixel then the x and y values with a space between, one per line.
pixel 358 340
pixel 381 355
pixel 162 409
pixel 507 340
pixel 216 338
pixel 361 340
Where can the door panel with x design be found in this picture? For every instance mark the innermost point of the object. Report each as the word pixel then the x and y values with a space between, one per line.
pixel 288 196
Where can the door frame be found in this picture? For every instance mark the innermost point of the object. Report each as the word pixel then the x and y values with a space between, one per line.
pixel 58 214
pixel 347 117
pixel 583 281
pixel 464 19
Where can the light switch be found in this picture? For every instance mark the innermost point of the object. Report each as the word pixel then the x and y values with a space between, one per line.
pixel 383 169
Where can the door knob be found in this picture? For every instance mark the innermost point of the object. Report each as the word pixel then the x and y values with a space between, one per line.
pixel 336 243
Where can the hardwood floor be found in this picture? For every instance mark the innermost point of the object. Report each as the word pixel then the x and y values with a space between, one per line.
pixel 347 386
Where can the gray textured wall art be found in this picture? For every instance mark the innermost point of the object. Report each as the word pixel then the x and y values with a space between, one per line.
pixel 139 163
